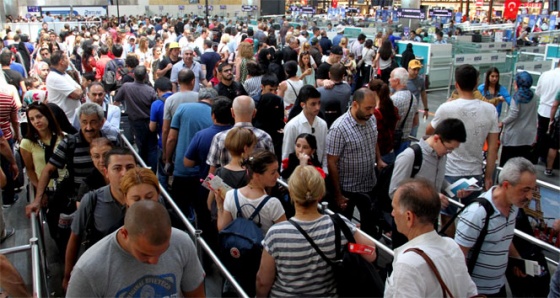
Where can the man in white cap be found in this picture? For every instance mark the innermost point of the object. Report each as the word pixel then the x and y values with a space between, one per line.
pixel 339 35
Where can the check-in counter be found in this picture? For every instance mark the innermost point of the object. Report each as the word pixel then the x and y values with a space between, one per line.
pixel 436 59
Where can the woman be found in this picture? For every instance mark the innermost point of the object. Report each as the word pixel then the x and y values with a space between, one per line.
pixel 88 57
pixel 407 56
pixel 245 54
pixel 40 70
pixel 520 125
pixel 493 91
pixel 43 135
pixel 139 184
pixel 156 58
pixel 240 143
pixel 306 47
pixel 271 38
pixel 384 61
pixel 345 51
pixel 96 179
pixel 305 154
pixel 289 89
pixel 262 172
pixel 289 265
pixel 378 40
pixel 387 116
pixel 223 49
pixel 305 71
pixel 143 53
pixel 368 52
pixel 253 82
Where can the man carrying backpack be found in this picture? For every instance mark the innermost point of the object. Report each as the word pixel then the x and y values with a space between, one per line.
pixel 449 134
pixel 516 183
pixel 114 70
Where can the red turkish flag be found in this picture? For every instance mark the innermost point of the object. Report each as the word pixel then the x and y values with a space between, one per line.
pixel 303 2
pixel 511 8
pixel 334 3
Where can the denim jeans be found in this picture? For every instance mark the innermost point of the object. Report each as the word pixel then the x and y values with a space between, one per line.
pixel 162 177
pixel 146 142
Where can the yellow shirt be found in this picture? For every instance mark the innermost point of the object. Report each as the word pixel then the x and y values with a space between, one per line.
pixel 38 154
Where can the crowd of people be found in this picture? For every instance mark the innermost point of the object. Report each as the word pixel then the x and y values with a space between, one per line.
pixel 223 99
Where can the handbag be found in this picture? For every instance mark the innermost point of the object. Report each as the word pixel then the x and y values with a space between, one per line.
pixel 398 134
pixel 355 277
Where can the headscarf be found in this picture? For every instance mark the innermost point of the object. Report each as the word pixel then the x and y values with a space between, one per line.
pixel 524 93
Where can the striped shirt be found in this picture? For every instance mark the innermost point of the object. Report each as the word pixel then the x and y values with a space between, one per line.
pixel 489 271
pixel 218 154
pixel 253 86
pixel 401 99
pixel 355 145
pixel 300 270
pixel 7 107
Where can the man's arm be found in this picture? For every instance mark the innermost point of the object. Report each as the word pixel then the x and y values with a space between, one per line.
pixel 161 72
pixel 198 292
pixel 332 162
pixel 6 151
pixel 171 143
pixel 76 94
pixel 164 135
pixel 553 110
pixel 153 126
pixel 424 97
pixel 43 182
pixel 491 159
pixel 70 258
pixel 430 129
pixel 15 124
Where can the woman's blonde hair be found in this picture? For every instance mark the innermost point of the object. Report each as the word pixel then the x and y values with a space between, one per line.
pixel 143 44
pixel 245 50
pixel 138 176
pixel 225 38
pixel 237 138
pixel 306 186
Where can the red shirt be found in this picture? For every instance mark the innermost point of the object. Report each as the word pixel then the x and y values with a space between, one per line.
pixel 385 133
pixel 100 66
pixel 7 108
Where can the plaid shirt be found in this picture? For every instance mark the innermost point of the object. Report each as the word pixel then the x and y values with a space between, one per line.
pixel 401 100
pixel 218 154
pixel 354 144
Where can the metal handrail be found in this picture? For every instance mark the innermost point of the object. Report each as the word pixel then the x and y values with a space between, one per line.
pixel 200 243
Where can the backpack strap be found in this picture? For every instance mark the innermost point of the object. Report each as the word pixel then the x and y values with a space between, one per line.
pixel 294 89
pixel 428 260
pixel 90 221
pixel 257 210
pixel 475 250
pixel 69 154
pixel 408 111
pixel 418 158
pixel 312 243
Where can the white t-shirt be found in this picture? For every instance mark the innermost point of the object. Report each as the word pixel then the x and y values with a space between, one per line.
pixel 480 118
pixel 59 87
pixel 269 214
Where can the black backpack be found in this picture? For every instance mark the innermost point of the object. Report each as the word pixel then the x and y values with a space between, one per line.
pixel 241 246
pixel 384 177
pixel 475 250
pixel 355 277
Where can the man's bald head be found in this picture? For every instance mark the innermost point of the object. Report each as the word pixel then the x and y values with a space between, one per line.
pixel 150 220
pixel 243 106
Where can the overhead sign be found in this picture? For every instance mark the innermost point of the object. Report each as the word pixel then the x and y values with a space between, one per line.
pixel 77 10
pixel 440 13
pixel 32 8
pixel 249 7
pixel 410 13
pixel 222 7
pixel 181 7
pixel 307 10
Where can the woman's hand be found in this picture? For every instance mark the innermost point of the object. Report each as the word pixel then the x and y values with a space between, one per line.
pixel 303 159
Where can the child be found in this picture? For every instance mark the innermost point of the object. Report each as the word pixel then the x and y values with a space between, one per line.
pixel 350 67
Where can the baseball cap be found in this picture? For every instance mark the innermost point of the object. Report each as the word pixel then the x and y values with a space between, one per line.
pixel 174 45
pixel 340 29
pixel 413 64
pixel 314 41
pixel 337 50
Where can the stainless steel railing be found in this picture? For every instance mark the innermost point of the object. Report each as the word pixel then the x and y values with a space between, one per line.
pixel 201 245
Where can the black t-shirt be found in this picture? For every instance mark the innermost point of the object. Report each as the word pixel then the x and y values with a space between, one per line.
pixel 210 59
pixel 13 78
pixel 323 71
pixel 232 91
pixel 163 63
pixel 288 54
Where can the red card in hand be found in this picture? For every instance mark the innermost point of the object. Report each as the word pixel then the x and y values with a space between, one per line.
pixel 360 249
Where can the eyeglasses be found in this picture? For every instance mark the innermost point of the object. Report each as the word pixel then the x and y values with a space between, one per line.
pixel 449 150
pixel 227 70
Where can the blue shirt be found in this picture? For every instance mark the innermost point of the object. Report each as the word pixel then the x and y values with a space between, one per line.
pixel 502 92
pixel 19 68
pixel 188 120
pixel 337 38
pixel 156 114
pixel 200 146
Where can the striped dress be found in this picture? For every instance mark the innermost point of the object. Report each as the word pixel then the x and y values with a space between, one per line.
pixel 300 271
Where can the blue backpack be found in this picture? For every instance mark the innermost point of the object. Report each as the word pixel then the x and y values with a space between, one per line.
pixel 241 246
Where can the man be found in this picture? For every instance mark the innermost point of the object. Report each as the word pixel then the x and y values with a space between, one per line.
pixel 554 134
pixel 227 86
pixel 322 75
pixel 63 90
pixel 111 113
pixel 351 154
pixel 138 98
pixel 199 41
pixel 289 53
pixel 102 209
pixel 339 35
pixel 187 121
pixel 357 46
pixel 163 89
pixel 307 122
pixel 13 77
pixel 547 88
pixel 166 64
pixel 7 153
pixel 80 165
pixel 198 69
pixel 335 101
pixel 516 183
pixel 146 255
pixel 315 51
pixel 439 38
pixel 448 136
pixel 269 85
pixel 114 65
pixel 48 17
pixel 325 43
pixel 45 55
pixel 243 111
pixel 9 136
pixel 417 86
pixel 405 101
pixel 209 59
pixel 102 62
pixel 481 123
pixel 415 208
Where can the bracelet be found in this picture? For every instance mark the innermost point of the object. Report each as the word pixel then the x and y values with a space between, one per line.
pixel 426 109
